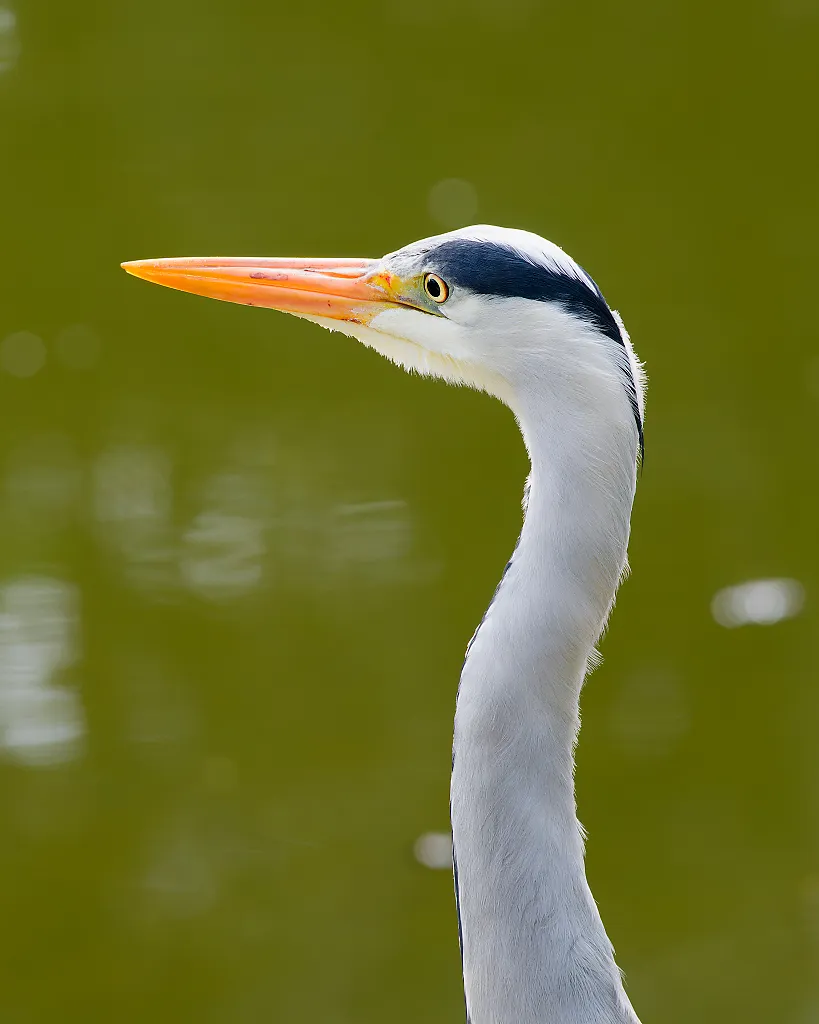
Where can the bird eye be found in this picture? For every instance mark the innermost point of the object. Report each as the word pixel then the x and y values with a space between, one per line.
pixel 436 288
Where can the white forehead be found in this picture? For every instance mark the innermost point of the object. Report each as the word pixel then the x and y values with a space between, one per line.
pixel 534 247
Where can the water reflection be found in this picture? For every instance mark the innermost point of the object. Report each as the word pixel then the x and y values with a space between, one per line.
pixel 248 528
pixel 132 491
pixel 222 554
pixel 368 538
pixel 224 546
pixel 41 722
pixel 9 40
pixel 43 480
pixel 132 506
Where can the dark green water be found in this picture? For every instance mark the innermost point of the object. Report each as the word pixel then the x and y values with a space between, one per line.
pixel 240 557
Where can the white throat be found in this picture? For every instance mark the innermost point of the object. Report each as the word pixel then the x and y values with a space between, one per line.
pixel 534 947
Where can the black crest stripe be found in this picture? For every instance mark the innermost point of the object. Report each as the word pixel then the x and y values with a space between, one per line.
pixel 492 268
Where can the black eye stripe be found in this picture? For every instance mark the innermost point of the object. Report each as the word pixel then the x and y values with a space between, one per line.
pixel 492 268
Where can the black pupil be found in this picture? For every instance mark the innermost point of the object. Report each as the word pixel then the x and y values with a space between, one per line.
pixel 434 287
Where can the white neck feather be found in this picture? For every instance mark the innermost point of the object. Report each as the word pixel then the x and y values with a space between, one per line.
pixel 534 947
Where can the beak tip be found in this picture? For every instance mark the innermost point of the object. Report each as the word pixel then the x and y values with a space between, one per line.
pixel 134 267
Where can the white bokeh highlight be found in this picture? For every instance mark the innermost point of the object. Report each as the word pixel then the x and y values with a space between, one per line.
pixel 453 202
pixel 22 354
pixel 758 602
pixel 434 850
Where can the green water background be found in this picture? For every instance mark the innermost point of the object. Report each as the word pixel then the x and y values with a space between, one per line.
pixel 240 558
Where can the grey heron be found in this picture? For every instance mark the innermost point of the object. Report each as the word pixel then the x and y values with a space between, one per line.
pixel 507 312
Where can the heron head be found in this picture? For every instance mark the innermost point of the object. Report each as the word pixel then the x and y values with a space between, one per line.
pixel 498 309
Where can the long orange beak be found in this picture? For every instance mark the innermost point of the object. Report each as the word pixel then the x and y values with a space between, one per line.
pixel 339 289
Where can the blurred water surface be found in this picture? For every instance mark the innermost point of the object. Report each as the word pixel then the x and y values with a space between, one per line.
pixel 240 557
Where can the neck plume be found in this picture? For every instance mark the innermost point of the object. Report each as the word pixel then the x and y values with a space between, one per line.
pixel 534 948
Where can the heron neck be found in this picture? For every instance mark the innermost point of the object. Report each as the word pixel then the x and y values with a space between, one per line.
pixel 534 947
